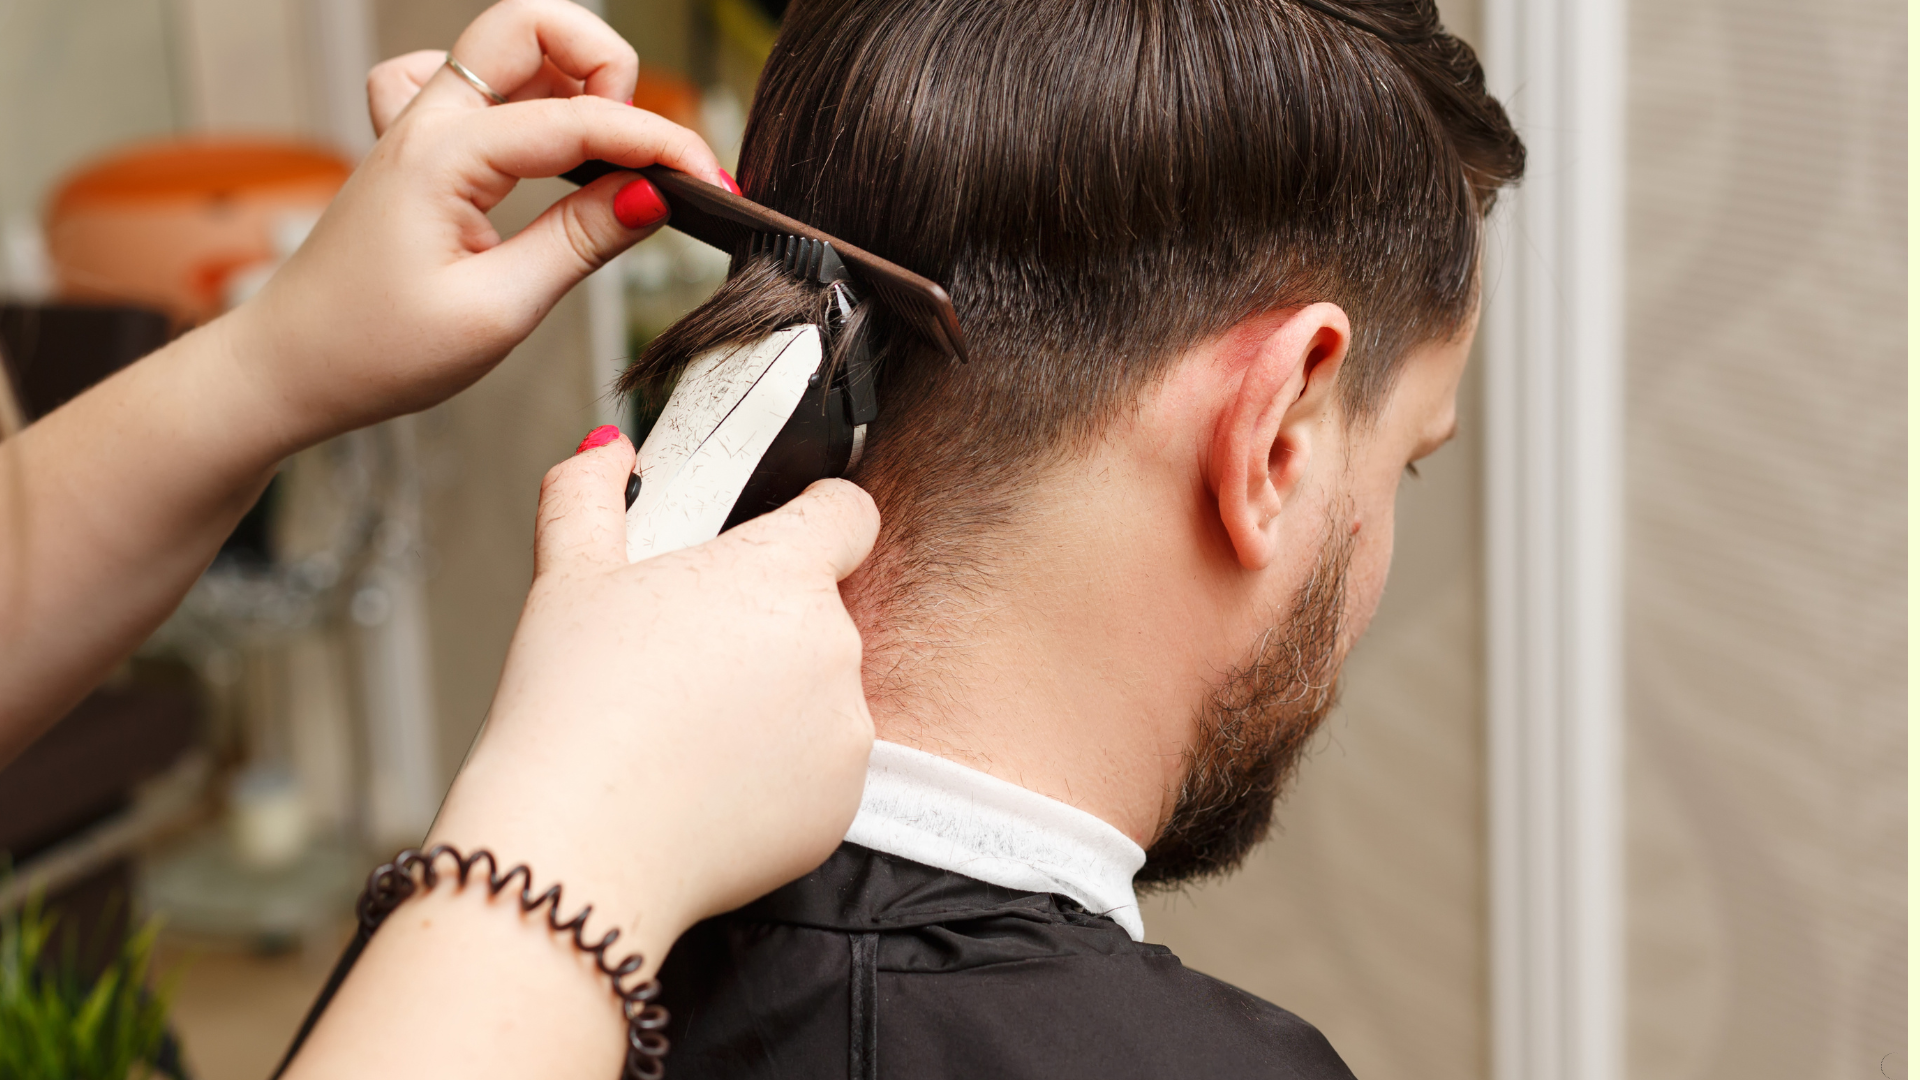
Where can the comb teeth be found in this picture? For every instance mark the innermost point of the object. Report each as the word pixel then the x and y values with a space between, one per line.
pixel 803 257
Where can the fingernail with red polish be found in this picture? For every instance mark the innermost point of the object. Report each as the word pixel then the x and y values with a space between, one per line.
pixel 598 438
pixel 639 205
pixel 732 185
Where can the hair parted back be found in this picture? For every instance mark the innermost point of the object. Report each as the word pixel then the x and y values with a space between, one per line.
pixel 1100 185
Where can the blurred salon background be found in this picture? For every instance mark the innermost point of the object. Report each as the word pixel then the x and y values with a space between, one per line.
pixel 1617 787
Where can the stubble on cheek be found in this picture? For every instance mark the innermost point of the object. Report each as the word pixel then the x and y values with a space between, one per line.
pixel 1254 728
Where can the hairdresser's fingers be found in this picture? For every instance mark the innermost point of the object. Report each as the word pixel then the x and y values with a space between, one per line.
pixel 832 525
pixel 548 82
pixel 582 520
pixel 572 238
pixel 548 137
pixel 510 42
pixel 392 84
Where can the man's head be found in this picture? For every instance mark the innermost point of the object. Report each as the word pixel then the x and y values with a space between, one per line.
pixel 1216 261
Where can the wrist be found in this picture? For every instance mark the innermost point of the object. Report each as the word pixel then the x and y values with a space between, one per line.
pixel 620 900
pixel 458 982
pixel 242 351
pixel 611 858
pixel 197 403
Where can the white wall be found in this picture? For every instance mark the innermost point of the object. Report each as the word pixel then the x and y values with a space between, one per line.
pixel 75 78
pixel 1767 539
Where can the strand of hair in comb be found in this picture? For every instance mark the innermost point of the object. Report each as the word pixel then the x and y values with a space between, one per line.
pixel 729 222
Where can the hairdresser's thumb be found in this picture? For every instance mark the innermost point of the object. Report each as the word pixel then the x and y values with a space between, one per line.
pixel 831 525
pixel 583 513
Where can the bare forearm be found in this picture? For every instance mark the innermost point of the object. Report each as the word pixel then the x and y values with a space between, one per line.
pixel 111 506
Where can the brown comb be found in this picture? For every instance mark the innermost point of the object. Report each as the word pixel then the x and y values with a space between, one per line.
pixel 730 222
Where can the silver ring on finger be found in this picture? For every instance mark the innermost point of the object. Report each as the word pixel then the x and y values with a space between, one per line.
pixel 475 81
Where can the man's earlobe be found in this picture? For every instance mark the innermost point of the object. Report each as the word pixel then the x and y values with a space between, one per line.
pixel 1266 440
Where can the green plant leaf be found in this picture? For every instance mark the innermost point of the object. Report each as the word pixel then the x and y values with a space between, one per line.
pixel 55 1025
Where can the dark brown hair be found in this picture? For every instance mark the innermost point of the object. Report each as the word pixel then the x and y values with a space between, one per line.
pixel 1101 184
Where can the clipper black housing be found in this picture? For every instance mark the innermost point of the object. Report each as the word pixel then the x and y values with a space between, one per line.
pixel 826 433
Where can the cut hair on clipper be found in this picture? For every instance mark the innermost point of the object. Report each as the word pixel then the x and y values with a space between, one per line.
pixel 773 390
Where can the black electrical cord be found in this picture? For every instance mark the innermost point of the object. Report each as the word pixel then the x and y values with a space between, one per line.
pixel 391 884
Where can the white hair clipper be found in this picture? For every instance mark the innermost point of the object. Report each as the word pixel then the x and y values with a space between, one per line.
pixel 748 427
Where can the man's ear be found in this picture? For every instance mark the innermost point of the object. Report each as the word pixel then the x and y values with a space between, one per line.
pixel 1285 411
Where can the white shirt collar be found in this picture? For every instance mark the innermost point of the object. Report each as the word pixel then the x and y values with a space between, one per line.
pixel 942 814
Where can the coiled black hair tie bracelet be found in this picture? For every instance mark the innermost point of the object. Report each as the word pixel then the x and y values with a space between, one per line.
pixel 413 871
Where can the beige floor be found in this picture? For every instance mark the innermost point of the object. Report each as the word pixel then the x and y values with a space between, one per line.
pixel 236 1011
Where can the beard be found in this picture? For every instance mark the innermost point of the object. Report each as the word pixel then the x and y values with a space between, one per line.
pixel 1252 731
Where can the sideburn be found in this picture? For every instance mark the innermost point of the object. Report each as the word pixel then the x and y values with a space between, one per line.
pixel 1252 732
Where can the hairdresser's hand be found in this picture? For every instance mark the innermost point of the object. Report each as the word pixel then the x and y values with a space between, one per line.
pixel 405 293
pixel 678 736
pixel 670 739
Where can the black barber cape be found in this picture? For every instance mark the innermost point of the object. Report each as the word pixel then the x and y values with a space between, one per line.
pixel 874 966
